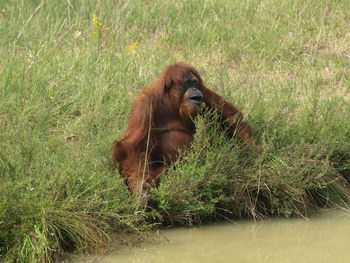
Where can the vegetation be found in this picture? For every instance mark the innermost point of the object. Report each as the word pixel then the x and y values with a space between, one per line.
pixel 70 69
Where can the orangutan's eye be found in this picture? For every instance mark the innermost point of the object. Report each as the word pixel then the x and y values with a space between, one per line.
pixel 195 84
pixel 191 83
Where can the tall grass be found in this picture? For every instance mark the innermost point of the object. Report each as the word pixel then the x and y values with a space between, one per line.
pixel 65 97
pixel 234 181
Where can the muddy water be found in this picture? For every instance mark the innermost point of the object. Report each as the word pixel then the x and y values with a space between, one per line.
pixel 324 239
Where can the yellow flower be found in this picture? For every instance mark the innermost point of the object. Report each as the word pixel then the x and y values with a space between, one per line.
pixel 96 23
pixel 131 47
pixel 97 33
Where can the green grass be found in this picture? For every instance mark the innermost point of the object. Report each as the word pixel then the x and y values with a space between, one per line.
pixel 65 97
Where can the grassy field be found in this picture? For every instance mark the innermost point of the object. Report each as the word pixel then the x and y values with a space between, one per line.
pixel 67 80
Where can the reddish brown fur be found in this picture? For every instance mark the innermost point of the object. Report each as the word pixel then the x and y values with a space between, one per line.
pixel 160 124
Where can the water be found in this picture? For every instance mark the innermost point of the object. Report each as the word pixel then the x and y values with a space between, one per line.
pixel 325 239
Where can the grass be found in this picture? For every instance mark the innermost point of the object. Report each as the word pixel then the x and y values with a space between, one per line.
pixel 65 95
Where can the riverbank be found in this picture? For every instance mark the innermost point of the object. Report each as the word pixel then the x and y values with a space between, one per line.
pixel 70 71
